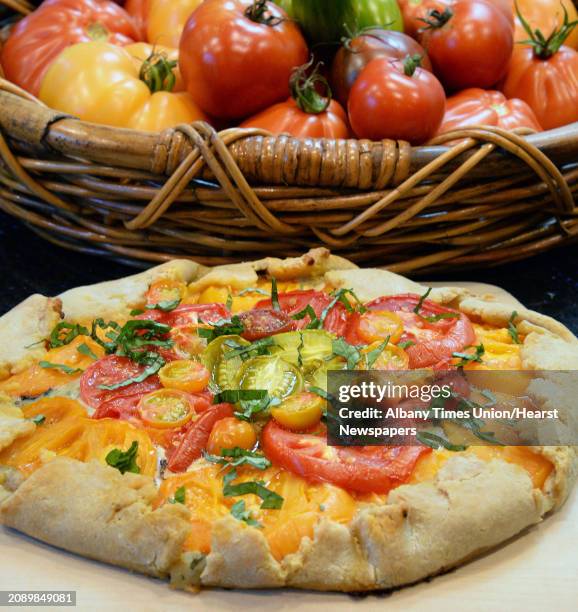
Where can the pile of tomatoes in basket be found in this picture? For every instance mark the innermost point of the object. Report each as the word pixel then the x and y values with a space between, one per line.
pixel 374 69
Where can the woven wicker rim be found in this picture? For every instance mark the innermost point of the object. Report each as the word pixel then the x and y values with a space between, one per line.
pixel 460 201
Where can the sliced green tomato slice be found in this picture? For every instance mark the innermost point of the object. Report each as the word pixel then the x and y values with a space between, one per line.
pixel 318 376
pixel 304 348
pixel 270 373
pixel 223 371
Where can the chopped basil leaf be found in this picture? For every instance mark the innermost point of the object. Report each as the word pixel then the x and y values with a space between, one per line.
pixel 180 496
pixel 470 357
pixel 253 290
pixel 124 461
pixel 64 333
pixel 38 419
pixel 374 355
pixel 512 329
pixel 472 424
pixel 308 311
pixel 492 401
pixel 435 442
pixel 342 348
pixel 153 362
pixel 341 296
pixel 229 302
pixel 164 306
pixel 271 500
pixel 300 349
pixel 223 327
pixel 60 366
pixel 406 345
pixel 233 396
pixel 84 349
pixel 422 299
pixel 275 295
pixel 249 408
pixel 320 392
pixel 239 511
pixel 441 316
pixel 434 318
pixel 235 457
pixel 259 347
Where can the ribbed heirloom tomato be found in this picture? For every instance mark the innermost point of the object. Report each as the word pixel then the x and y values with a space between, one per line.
pixel 397 100
pixel 236 56
pixel 355 53
pixel 39 38
pixel 161 22
pixel 469 44
pixel 102 83
pixel 306 113
pixel 481 107
pixel 545 75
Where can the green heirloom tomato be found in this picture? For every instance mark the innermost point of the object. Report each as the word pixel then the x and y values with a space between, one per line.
pixel 327 21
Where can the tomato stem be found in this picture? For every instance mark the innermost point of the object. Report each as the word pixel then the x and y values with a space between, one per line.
pixel 411 63
pixel 437 19
pixel 304 89
pixel 544 48
pixel 97 31
pixel 259 13
pixel 157 71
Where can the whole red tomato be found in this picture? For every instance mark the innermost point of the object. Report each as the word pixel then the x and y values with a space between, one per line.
pixel 39 38
pixel 482 107
pixel 398 100
pixel 415 11
pixel 236 56
pixel 307 113
pixel 354 55
pixel 469 44
pixel 545 75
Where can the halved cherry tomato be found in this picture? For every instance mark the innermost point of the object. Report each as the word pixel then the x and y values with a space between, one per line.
pixel 434 342
pixel 230 432
pixel 300 411
pixel 262 322
pixel 184 375
pixel 294 302
pixel 112 370
pixel 375 469
pixel 377 325
pixel 392 357
pixel 165 290
pixel 166 408
pixel 196 436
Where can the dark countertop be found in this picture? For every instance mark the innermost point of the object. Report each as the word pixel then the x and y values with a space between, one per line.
pixel 547 283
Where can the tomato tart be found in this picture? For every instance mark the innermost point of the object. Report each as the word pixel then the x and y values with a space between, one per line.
pixel 175 423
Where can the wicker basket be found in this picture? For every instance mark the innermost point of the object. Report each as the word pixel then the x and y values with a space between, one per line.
pixel 224 197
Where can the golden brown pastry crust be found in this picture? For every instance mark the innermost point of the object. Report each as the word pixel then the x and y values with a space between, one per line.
pixel 421 530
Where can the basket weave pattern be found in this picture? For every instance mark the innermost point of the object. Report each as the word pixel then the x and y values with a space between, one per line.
pixel 474 197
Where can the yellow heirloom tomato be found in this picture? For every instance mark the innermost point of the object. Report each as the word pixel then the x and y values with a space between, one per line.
pixel 102 83
pixel 166 20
